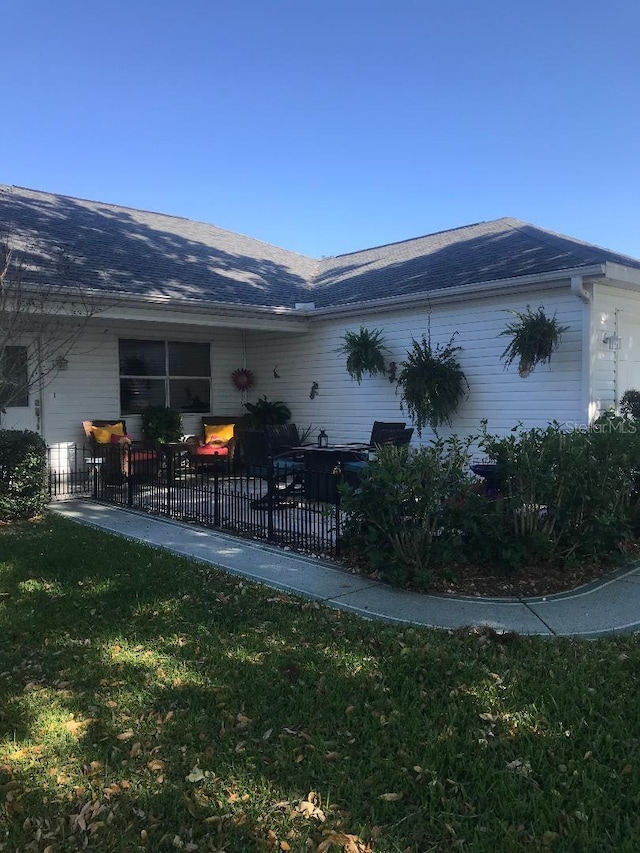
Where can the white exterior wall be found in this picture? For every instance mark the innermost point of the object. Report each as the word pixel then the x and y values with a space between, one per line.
pixel 347 410
pixel 90 387
pixel 561 391
pixel 615 309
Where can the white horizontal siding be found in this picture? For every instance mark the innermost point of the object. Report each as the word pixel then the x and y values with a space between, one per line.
pixel 90 387
pixel 614 310
pixel 347 410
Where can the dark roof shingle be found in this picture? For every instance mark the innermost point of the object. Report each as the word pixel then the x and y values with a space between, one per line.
pixel 123 250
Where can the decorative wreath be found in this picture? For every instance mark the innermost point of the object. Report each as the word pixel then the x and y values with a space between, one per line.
pixel 242 378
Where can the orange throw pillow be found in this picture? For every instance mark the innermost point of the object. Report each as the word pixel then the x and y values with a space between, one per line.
pixel 102 434
pixel 218 433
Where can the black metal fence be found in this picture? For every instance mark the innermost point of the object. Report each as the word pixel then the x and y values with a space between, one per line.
pixel 290 506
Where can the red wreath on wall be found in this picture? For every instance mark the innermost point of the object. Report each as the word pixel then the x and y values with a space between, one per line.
pixel 242 378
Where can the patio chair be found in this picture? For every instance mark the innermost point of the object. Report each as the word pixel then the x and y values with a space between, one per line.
pixel 282 438
pixel 283 472
pixel 120 456
pixel 217 444
pixel 385 432
pixel 384 438
pixel 382 432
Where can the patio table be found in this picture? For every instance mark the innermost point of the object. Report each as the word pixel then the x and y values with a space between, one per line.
pixel 320 463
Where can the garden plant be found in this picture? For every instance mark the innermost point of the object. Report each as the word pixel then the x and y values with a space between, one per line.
pixel 564 497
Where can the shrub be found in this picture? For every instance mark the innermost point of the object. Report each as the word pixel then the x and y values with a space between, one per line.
pixel 564 495
pixel 404 516
pixel 159 423
pixel 23 480
pixel 630 404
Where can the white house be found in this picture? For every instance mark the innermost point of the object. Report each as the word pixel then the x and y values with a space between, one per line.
pixel 182 304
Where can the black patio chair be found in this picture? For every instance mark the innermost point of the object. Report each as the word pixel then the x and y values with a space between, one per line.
pixel 384 438
pixel 382 432
pixel 283 473
pixel 282 438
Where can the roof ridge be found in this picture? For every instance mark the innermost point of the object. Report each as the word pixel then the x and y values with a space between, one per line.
pixel 412 239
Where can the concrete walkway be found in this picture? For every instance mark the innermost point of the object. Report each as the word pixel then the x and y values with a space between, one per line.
pixel 605 607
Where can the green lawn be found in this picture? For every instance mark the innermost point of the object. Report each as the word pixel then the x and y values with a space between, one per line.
pixel 148 702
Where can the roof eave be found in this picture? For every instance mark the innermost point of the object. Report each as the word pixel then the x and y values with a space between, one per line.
pixel 621 274
pixel 116 306
pixel 456 294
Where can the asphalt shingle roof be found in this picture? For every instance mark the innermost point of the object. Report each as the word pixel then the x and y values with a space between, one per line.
pixel 123 250
pixel 487 251
pixel 148 254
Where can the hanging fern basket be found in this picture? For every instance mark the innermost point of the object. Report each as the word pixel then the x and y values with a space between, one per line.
pixel 431 383
pixel 365 353
pixel 534 339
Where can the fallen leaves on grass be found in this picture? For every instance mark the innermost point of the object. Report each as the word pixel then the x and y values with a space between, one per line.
pixel 309 809
pixel 349 843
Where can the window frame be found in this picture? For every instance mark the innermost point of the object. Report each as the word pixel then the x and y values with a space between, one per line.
pixel 22 401
pixel 167 378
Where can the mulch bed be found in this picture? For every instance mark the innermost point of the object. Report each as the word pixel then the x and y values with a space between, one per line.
pixel 540 581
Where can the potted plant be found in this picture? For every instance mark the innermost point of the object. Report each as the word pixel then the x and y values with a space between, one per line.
pixel 534 339
pixel 264 412
pixel 431 383
pixel 365 352
pixel 161 424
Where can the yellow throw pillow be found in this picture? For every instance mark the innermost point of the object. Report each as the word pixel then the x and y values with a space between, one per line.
pixel 221 432
pixel 103 434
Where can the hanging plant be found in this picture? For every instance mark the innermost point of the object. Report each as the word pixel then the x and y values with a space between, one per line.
pixel 431 383
pixel 534 339
pixel 242 378
pixel 365 352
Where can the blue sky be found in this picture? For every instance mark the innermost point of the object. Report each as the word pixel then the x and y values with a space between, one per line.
pixel 333 126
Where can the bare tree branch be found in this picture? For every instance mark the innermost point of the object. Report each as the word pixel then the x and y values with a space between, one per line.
pixel 43 319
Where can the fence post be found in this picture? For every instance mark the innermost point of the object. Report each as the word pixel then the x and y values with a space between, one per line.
pixel 170 473
pixel 216 497
pixel 127 450
pixel 338 478
pixel 270 495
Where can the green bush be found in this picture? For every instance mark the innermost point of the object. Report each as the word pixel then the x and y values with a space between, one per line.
pixel 404 517
pixel 161 424
pixel 564 497
pixel 23 474
pixel 630 404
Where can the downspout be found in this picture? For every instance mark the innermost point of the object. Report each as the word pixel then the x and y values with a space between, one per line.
pixel 578 289
pixel 588 409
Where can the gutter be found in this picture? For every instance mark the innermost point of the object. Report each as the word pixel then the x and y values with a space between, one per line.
pixel 452 294
pixel 176 304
